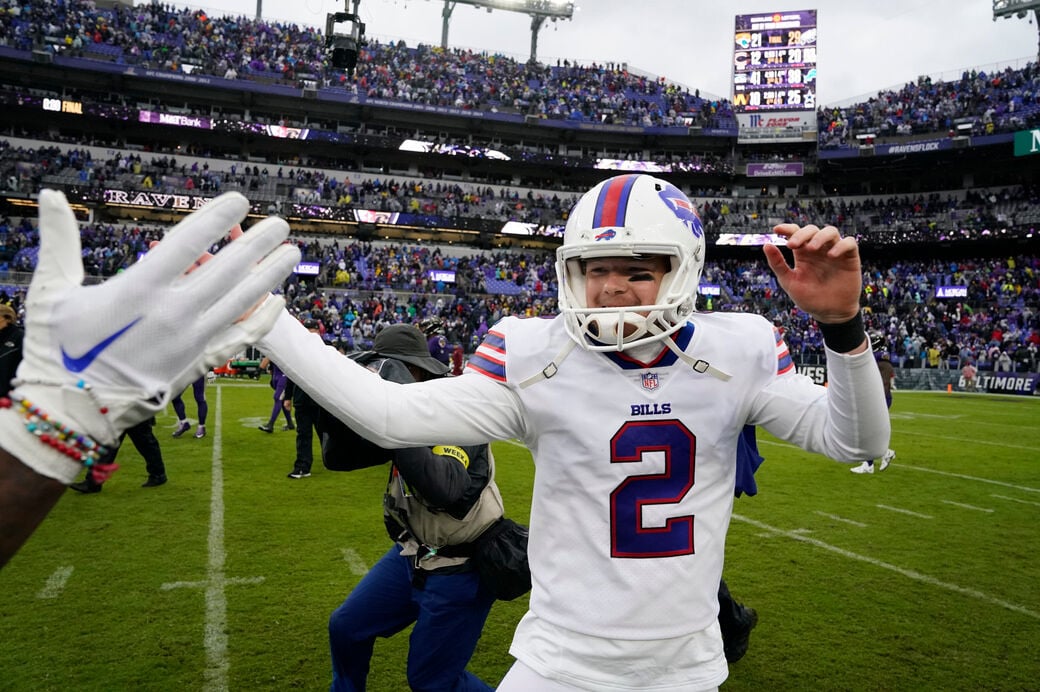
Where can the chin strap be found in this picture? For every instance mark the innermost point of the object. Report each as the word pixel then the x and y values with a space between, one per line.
pixel 553 367
pixel 698 365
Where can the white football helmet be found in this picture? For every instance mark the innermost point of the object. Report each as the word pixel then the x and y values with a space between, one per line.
pixel 630 216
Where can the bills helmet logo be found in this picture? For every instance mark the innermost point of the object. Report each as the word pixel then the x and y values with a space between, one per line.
pixel 683 209
pixel 650 381
pixel 608 234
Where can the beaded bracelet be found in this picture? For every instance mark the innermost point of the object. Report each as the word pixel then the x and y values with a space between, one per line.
pixel 64 439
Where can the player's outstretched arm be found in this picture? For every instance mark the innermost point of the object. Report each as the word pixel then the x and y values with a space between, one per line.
pixel 99 359
pixel 467 410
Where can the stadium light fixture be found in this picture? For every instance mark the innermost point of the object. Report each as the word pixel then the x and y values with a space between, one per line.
pixel 1019 9
pixel 344 36
pixel 539 10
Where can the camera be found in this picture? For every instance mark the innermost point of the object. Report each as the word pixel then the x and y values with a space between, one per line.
pixel 344 36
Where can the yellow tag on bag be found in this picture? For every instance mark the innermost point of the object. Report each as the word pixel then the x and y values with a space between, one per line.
pixel 454 452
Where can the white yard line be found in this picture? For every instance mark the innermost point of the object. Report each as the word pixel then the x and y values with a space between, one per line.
pixel 1024 488
pixel 1013 499
pixel 215 638
pixel 970 440
pixel 961 504
pixel 354 562
pixel 904 511
pixel 903 466
pixel 835 517
pixel 55 583
pixel 909 573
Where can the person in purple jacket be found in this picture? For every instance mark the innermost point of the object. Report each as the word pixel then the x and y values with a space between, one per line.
pixel 436 341
pixel 281 404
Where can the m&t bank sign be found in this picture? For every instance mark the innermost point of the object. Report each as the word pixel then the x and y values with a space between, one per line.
pixel 1027 142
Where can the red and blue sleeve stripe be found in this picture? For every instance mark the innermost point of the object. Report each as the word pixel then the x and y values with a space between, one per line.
pixel 612 204
pixel 784 362
pixel 490 358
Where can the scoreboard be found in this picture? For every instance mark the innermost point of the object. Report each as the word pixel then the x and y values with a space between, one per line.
pixel 774 61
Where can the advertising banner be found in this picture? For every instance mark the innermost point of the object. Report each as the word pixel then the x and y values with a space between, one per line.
pixel 775 170
pixel 1027 142
pixel 1005 382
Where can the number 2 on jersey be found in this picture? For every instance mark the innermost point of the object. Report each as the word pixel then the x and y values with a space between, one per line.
pixel 628 536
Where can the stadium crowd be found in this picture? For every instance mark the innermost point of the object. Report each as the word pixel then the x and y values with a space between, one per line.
pixel 979 103
pixel 162 37
pixel 892 219
pixel 875 220
pixel 30 168
pixel 366 285
pixel 363 286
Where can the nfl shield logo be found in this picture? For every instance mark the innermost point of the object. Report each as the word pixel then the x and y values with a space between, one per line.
pixel 650 381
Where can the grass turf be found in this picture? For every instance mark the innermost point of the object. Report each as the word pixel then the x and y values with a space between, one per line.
pixel 921 577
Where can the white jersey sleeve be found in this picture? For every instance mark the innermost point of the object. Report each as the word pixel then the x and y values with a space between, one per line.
pixel 466 410
pixel 847 421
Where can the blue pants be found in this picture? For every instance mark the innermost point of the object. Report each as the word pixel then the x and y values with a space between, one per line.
pixel 279 403
pixel 198 390
pixel 449 612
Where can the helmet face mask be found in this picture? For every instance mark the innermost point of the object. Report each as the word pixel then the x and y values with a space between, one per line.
pixel 634 216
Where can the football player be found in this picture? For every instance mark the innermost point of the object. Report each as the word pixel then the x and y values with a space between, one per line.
pixel 630 401
pixel 198 390
pixel 632 404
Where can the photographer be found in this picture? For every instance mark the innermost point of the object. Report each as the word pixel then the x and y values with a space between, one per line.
pixel 11 337
pixel 441 505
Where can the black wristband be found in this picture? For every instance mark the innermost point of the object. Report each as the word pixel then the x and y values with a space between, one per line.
pixel 844 336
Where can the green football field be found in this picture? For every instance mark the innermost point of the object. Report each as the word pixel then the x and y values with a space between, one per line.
pixel 924 577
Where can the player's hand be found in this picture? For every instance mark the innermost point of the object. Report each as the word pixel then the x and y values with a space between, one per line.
pixel 236 232
pixel 102 358
pixel 826 279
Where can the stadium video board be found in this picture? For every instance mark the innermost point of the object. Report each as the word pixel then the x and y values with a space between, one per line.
pixel 774 61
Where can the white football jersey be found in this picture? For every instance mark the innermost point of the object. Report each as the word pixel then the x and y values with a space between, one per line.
pixel 635 467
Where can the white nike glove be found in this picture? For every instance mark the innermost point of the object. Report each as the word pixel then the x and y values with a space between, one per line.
pixel 99 359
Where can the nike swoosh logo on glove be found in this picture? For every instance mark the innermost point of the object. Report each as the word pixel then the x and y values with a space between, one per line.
pixel 83 362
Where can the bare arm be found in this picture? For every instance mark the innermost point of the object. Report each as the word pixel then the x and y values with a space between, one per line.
pixel 25 499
